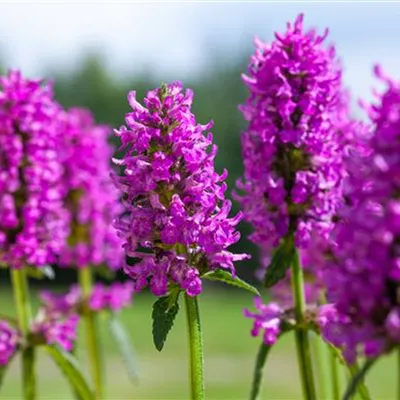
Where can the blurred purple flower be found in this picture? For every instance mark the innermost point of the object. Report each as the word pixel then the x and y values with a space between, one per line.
pixel 57 329
pixel 91 197
pixel 363 273
pixel 104 297
pixel 8 342
pixel 113 297
pixel 61 303
pixel 32 219
pixel 267 319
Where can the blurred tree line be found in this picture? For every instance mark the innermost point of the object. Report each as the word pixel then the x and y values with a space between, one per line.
pixel 218 91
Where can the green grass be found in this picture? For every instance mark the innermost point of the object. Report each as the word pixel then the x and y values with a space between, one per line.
pixel 229 357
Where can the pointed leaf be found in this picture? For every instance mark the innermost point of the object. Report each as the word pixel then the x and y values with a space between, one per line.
pixel 104 272
pixel 40 273
pixel 358 379
pixel 165 310
pixel 261 359
pixel 281 261
pixel 226 277
pixel 71 370
pixel 124 346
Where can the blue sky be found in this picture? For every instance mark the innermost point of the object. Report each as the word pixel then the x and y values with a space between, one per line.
pixel 173 40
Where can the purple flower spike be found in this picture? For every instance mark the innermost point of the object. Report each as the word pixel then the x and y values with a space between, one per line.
pixel 8 342
pixel 177 223
pixel 293 147
pixel 33 224
pixel 362 275
pixel 90 197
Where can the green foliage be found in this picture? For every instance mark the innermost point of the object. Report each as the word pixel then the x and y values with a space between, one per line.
pixel 226 277
pixel 121 339
pixel 46 272
pixel 358 379
pixel 165 309
pixel 281 261
pixel 104 272
pixel 69 367
pixel 261 359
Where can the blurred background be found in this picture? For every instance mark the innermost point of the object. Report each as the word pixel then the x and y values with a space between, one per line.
pixel 96 53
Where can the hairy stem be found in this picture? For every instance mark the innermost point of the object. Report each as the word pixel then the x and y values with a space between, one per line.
pixel 92 334
pixel 23 306
pixel 301 333
pixel 196 361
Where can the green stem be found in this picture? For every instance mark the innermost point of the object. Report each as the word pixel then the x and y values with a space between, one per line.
pixel 258 370
pixel 92 336
pixel 22 303
pixel 320 370
pixel 361 388
pixel 301 333
pixel 334 377
pixel 196 362
pixel 358 378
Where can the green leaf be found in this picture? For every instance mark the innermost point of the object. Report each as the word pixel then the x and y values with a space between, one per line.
pixel 358 379
pixel 226 277
pixel 125 347
pixel 281 261
pixel 261 359
pixel 352 370
pixel 164 312
pixel 70 368
pixel 104 272
pixel 40 273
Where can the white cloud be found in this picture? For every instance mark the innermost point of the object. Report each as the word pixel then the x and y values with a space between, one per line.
pixel 172 39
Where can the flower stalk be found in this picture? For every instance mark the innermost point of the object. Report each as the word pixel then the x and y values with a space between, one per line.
pixel 196 360
pixel 92 334
pixel 22 303
pixel 334 377
pixel 301 333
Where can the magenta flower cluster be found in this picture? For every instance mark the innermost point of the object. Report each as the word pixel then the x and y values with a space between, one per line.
pixel 363 276
pixel 9 339
pixel 292 148
pixel 177 226
pixel 112 297
pixel 49 327
pixel 90 195
pixel 58 329
pixel 32 219
pixel 268 319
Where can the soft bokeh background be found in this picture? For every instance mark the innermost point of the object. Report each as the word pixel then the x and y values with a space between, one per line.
pixel 96 53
